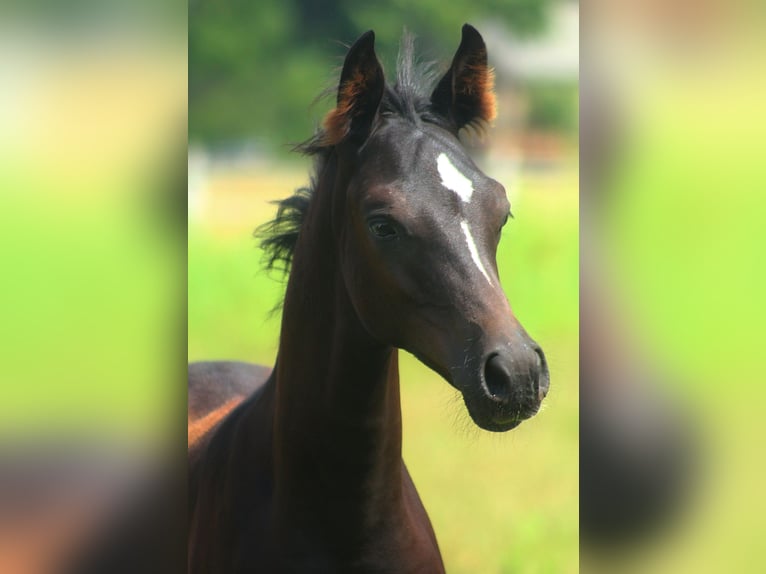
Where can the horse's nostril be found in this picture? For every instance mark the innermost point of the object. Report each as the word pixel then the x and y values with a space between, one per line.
pixel 497 378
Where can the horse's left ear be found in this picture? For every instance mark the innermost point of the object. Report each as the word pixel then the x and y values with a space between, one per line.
pixel 465 93
pixel 359 93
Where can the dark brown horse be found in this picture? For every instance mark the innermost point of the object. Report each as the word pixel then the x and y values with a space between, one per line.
pixel 392 247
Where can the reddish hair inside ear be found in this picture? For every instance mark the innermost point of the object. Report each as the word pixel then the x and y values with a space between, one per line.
pixel 465 94
pixel 475 91
pixel 359 93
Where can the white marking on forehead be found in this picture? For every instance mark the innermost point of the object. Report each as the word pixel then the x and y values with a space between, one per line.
pixel 473 251
pixel 453 179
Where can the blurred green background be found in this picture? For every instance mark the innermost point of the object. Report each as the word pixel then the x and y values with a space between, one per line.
pixel 675 236
pixel 499 503
pixel 254 66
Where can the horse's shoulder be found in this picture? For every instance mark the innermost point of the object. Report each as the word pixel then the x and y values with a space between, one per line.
pixel 215 389
pixel 214 383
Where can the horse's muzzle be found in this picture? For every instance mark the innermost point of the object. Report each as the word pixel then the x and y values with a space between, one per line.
pixel 512 384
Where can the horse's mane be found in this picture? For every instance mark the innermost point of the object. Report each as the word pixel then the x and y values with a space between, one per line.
pixel 408 98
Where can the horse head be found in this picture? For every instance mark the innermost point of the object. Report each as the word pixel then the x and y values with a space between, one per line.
pixel 416 225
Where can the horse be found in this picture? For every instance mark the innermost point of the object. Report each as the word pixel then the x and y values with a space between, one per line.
pixel 393 246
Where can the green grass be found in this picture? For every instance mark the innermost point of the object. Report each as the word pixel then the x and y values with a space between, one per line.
pixel 499 503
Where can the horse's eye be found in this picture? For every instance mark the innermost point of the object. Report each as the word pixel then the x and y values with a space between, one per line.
pixel 383 228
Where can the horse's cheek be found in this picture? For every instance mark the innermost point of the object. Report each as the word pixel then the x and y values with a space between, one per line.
pixel 374 296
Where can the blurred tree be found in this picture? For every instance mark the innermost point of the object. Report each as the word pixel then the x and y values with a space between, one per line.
pixel 255 65
pixel 552 106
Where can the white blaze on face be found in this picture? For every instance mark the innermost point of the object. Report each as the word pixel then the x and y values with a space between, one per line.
pixel 454 180
pixel 473 251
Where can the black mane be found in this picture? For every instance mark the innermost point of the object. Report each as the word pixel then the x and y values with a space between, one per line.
pixel 408 98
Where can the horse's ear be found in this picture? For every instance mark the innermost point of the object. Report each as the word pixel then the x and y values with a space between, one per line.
pixel 359 93
pixel 465 93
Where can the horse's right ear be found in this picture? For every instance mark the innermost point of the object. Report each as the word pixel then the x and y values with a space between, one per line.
pixel 359 93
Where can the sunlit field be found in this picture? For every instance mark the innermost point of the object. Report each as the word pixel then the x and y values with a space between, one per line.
pixel 498 502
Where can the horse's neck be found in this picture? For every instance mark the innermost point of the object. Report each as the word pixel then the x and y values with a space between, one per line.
pixel 337 412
